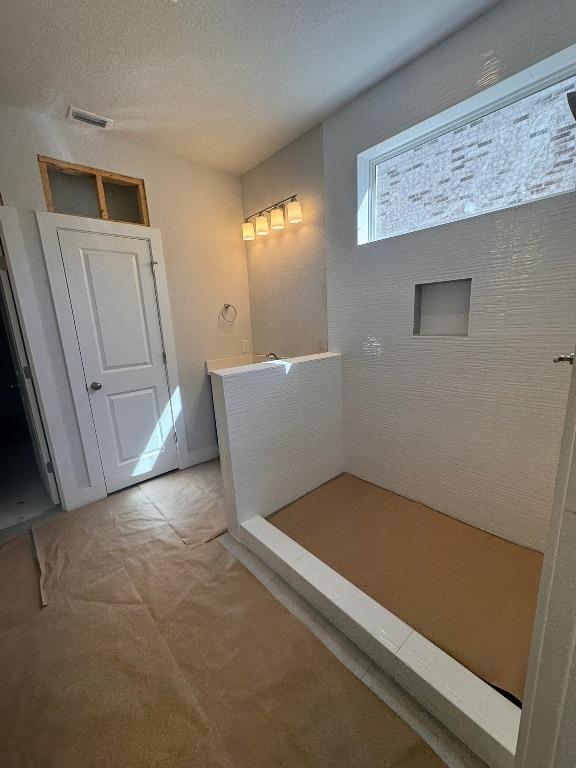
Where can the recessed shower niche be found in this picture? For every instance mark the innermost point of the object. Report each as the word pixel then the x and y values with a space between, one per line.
pixel 443 308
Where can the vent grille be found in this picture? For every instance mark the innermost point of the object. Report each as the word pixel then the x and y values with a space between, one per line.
pixel 89 118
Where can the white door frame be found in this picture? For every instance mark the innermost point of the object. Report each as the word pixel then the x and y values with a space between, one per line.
pixel 34 340
pixel 49 224
pixel 23 372
pixel 548 725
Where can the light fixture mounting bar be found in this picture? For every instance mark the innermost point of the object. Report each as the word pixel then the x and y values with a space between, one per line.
pixel 270 207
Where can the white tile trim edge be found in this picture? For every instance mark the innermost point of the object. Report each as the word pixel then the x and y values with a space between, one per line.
pixel 283 362
pixel 477 714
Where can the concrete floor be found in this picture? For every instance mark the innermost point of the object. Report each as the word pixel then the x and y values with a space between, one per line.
pixel 22 493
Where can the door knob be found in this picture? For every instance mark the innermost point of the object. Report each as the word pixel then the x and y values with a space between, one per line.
pixel 95 386
pixel 565 359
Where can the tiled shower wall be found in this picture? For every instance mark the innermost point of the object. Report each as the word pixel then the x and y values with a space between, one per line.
pixel 470 426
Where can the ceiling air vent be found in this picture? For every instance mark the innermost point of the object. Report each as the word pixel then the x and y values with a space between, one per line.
pixel 89 118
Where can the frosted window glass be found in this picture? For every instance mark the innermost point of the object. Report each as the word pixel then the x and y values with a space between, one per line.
pixel 75 194
pixel 520 153
pixel 122 202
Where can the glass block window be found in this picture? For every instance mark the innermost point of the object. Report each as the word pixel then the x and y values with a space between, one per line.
pixel 519 153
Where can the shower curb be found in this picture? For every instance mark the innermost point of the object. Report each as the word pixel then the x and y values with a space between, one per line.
pixel 473 711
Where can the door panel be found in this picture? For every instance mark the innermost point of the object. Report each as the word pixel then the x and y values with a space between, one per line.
pixel 113 282
pixel 113 296
pixel 136 423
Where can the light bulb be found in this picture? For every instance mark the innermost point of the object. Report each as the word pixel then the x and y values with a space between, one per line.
pixel 277 218
pixel 248 231
pixel 294 212
pixel 261 225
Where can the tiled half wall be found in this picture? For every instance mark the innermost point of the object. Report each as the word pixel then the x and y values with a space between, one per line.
pixel 279 432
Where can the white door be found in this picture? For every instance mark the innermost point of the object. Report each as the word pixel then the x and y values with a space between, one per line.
pixel 113 296
pixel 25 382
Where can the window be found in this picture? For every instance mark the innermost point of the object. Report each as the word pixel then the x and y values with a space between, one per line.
pixel 83 191
pixel 513 150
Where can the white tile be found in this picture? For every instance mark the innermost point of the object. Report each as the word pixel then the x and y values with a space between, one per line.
pixel 493 47
pixel 374 629
pixel 365 640
pixel 451 750
pixel 280 429
pixel 443 420
pixel 553 27
pixel 480 704
pixel 362 609
pixel 341 646
pixel 261 531
pixel 522 268
pixel 484 720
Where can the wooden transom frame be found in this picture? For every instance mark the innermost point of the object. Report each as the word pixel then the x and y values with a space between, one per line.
pixel 47 163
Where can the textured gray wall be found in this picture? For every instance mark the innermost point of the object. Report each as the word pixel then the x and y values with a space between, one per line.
pixel 287 269
pixel 205 264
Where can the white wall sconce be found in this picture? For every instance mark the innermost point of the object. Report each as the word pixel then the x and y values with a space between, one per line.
pixel 294 212
pixel 248 231
pixel 261 225
pixel 256 225
pixel 277 218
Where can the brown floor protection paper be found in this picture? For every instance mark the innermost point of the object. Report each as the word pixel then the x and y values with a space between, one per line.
pixel 152 653
pixel 470 593
pixel 192 501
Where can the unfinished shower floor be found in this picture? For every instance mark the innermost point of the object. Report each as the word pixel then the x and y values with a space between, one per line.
pixel 470 593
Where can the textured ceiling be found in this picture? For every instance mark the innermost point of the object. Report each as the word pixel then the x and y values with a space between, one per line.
pixel 222 82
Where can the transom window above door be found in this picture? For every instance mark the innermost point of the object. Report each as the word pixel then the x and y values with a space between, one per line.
pixel 83 191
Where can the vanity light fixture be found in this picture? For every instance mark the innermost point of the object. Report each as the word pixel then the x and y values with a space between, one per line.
pixel 261 224
pixel 294 212
pixel 288 208
pixel 248 231
pixel 277 218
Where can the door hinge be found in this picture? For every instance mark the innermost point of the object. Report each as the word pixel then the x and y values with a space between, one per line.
pixel 49 467
pixel 164 357
pixel 3 263
pixel 27 372
pixel 565 359
pixel 175 436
